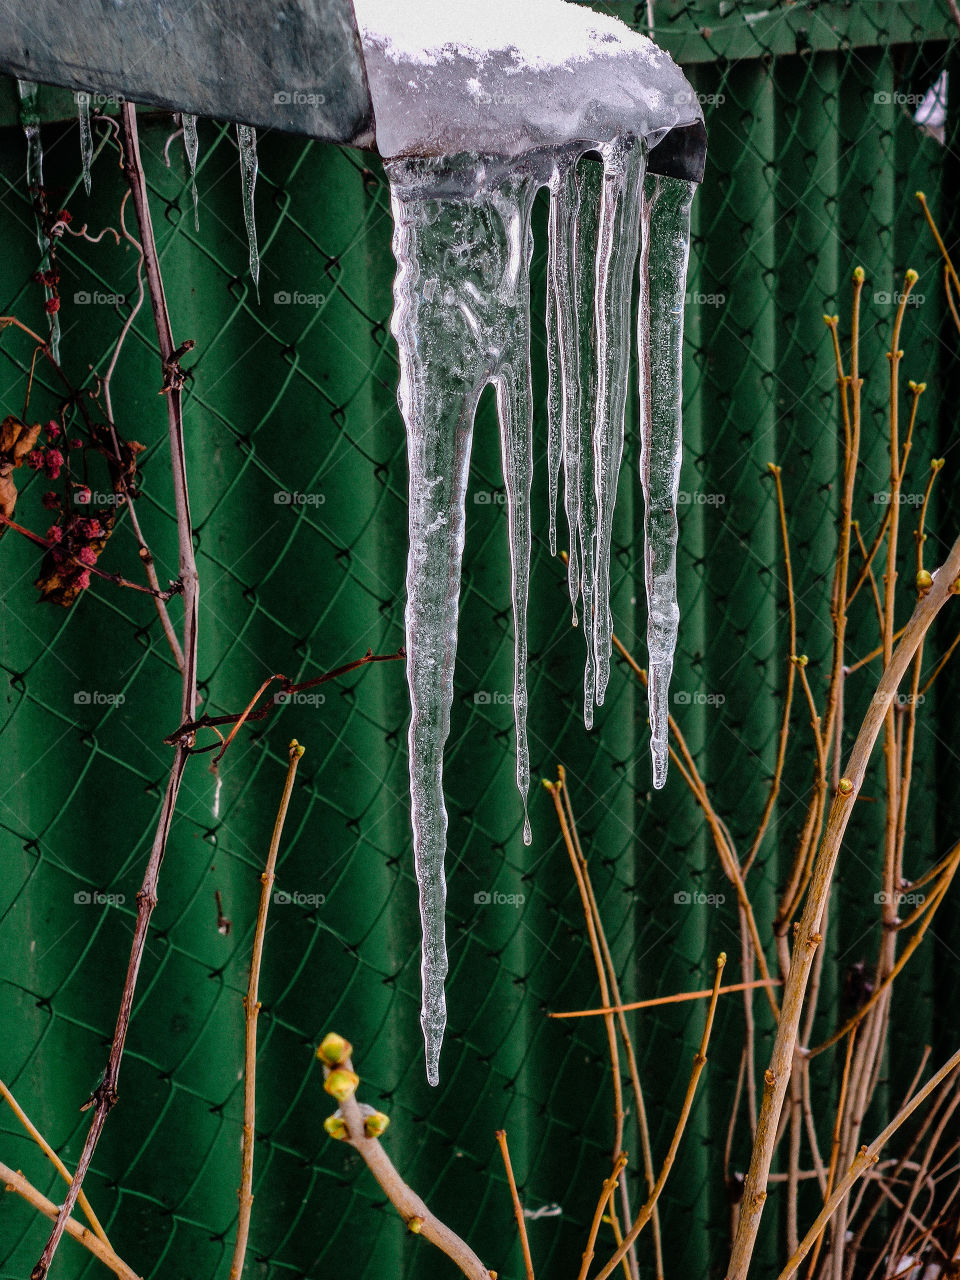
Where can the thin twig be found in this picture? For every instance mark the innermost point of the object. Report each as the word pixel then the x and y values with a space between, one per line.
pixel 606 1191
pixel 251 1006
pixel 15 1181
pixel 404 1199
pixel 54 1159
pixel 677 998
pixel 631 1265
pixel 190 727
pixel 501 1136
pixel 699 1062
pixel 784 735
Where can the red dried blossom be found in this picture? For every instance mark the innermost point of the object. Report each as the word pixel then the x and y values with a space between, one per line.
pixel 51 306
pixel 35 459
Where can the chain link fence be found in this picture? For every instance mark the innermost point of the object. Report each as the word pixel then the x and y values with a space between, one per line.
pixel 297 470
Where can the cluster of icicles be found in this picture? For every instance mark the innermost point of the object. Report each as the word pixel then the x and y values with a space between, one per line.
pixel 246 143
pixel 463 245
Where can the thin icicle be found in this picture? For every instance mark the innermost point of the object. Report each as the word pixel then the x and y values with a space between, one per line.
pixel 563 348
pixel 86 137
pixel 663 273
pixel 616 257
pixel 191 144
pixel 30 120
pixel 247 139
pixel 515 409
pixel 589 180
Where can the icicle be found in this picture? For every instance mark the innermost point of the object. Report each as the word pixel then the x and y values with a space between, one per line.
pixel 623 170
pixel 86 137
pixel 666 248
pixel 191 143
pixel 515 409
pixel 461 319
pixel 247 138
pixel 563 352
pixel 585 229
pixel 30 120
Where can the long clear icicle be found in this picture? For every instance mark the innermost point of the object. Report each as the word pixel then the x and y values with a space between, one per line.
pixel 461 319
pixel 86 137
pixel 191 144
pixel 247 140
pixel 563 355
pixel 617 242
pixel 30 121
pixel 663 273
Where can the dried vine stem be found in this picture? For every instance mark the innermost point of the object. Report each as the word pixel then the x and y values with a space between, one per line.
pixel 240 718
pixel 251 1005
pixel 105 1095
pixel 145 554
pixel 404 1199
pixel 15 1181
pixel 808 940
